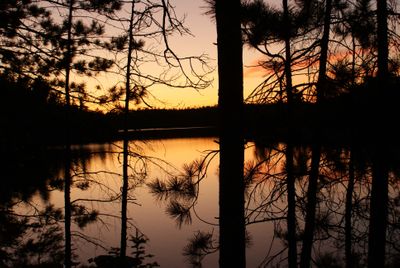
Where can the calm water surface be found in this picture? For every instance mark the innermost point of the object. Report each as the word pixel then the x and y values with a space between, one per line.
pixel 101 164
pixel 97 185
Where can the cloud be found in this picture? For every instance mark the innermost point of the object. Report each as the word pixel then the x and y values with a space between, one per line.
pixel 255 69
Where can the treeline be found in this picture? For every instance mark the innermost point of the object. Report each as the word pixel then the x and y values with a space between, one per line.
pixel 311 52
pixel 52 53
pixel 357 117
pixel 166 118
pixel 35 115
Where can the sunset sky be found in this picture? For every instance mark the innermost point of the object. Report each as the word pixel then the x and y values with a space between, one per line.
pixel 203 41
pixel 204 35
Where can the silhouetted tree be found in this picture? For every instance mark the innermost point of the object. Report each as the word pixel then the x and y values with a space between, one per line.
pixel 380 176
pixel 133 48
pixel 316 148
pixel 231 140
pixel 279 36
pixel 76 35
pixel 291 190
pixel 125 176
pixel 356 31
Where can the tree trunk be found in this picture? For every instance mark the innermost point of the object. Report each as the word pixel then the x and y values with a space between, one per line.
pixel 316 148
pixel 311 207
pixel 380 172
pixel 67 208
pixel 288 56
pixel 291 214
pixel 378 213
pixel 382 36
pixel 125 176
pixel 290 180
pixel 348 213
pixel 230 105
pixel 323 60
pixel 68 178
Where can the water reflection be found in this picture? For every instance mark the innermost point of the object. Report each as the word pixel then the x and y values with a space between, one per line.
pixel 324 203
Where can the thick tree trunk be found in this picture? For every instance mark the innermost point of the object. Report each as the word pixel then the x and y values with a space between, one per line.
pixel 230 104
pixel 380 172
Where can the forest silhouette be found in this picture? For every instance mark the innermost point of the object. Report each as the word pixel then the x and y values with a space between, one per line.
pixel 325 114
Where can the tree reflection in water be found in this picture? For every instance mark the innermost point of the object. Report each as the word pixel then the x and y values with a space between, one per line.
pixel 342 204
pixel 31 232
pixel 341 213
pixel 32 228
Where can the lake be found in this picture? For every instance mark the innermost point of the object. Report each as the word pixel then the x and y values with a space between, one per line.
pixel 32 203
